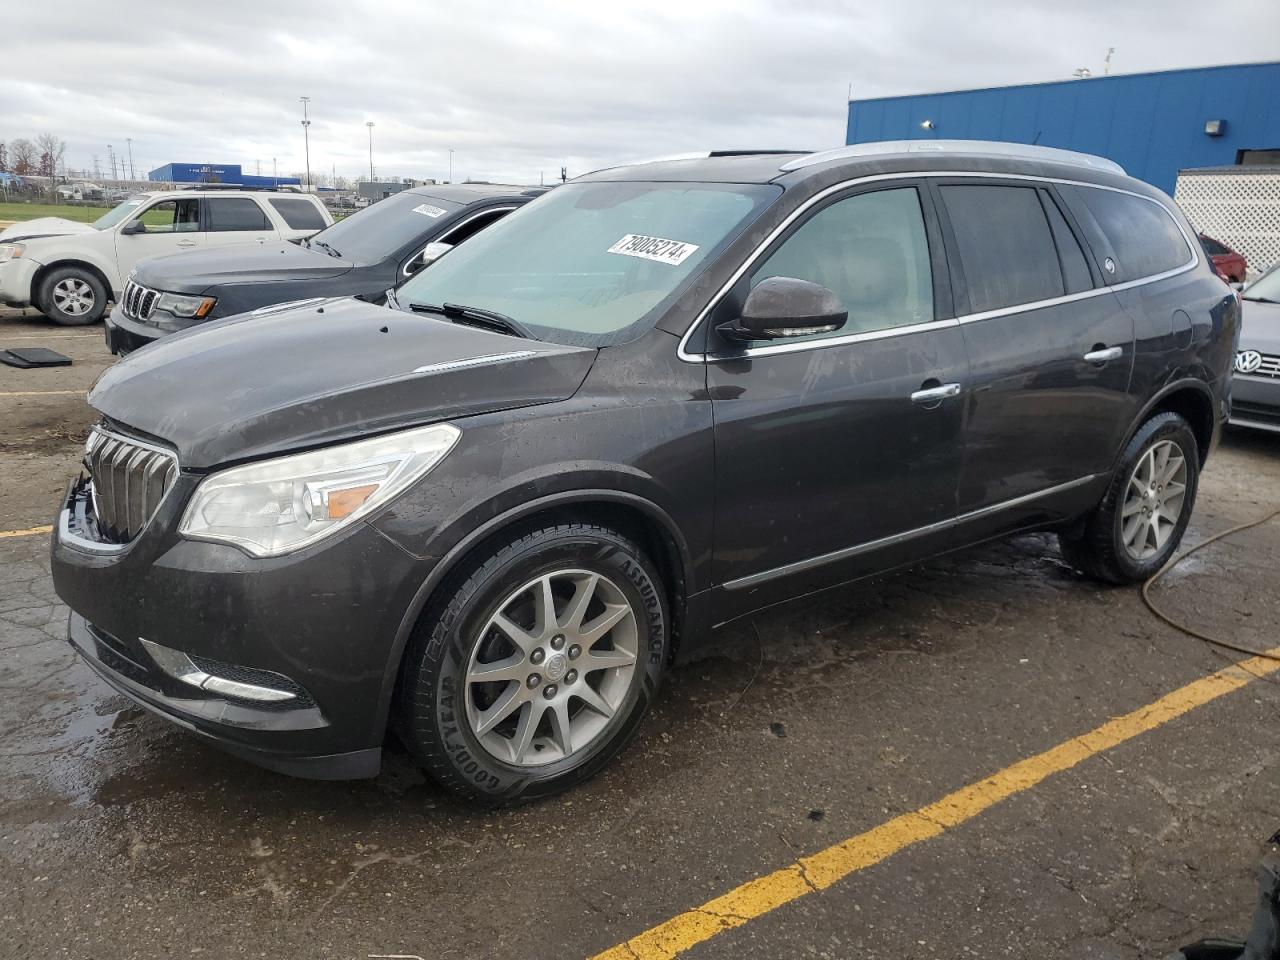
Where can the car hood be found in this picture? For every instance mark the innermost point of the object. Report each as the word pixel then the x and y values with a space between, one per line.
pixel 198 270
pixel 288 378
pixel 43 227
pixel 1260 327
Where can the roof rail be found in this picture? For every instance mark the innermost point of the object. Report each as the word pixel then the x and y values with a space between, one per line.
pixel 984 148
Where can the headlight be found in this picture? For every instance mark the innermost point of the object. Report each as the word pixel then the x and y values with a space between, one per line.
pixel 11 251
pixel 183 306
pixel 278 506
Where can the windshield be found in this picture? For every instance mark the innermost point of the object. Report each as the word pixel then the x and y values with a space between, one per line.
pixel 1266 288
pixel 382 228
pixel 122 212
pixel 592 263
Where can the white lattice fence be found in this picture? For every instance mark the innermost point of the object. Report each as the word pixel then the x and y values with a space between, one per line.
pixel 1240 209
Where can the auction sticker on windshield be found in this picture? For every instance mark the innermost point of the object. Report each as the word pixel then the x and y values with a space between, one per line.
pixel 673 252
pixel 427 210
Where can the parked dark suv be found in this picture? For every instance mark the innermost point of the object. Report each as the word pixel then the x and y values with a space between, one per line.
pixel 654 400
pixel 362 256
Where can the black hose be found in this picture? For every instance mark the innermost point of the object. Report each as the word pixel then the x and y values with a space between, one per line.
pixel 1191 631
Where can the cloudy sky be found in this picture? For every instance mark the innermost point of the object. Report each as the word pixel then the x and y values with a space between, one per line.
pixel 517 89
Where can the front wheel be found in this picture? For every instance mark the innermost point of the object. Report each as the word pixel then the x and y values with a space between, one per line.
pixel 538 664
pixel 1138 525
pixel 72 297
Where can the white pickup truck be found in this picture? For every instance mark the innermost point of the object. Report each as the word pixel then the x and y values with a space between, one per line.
pixel 69 271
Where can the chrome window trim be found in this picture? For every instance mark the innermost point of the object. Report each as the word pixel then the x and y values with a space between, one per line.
pixel 683 353
pixel 755 579
pixel 444 238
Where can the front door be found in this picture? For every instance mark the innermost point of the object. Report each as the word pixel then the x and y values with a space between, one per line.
pixel 838 451
pixel 171 226
pixel 1051 351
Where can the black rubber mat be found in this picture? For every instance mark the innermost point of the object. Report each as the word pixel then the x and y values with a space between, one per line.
pixel 33 357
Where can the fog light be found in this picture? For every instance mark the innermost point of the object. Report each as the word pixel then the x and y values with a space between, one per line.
pixel 179 666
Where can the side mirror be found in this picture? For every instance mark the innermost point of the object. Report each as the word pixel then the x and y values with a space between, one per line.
pixel 782 307
pixel 429 255
pixel 132 227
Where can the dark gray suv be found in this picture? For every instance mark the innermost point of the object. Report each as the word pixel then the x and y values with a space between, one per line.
pixel 649 402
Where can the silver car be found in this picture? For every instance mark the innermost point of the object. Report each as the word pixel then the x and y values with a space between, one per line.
pixel 1255 386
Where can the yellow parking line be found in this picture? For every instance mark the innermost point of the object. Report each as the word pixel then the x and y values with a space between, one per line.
pixel 29 532
pixel 44 393
pixel 813 873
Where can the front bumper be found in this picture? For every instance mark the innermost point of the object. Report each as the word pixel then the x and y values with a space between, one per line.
pixel 16 277
pixel 323 621
pixel 125 335
pixel 1255 402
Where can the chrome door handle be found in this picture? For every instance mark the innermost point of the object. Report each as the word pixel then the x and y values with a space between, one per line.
pixel 186 243
pixel 933 394
pixel 1102 356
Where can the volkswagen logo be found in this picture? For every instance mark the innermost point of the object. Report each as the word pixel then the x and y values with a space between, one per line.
pixel 1248 361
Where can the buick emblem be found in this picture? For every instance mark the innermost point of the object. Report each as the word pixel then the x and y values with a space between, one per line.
pixel 1248 361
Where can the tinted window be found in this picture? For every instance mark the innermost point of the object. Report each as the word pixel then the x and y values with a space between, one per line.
pixel 1213 246
pixel 1005 245
pixel 1075 269
pixel 236 213
pixel 1143 236
pixel 871 251
pixel 386 227
pixel 299 214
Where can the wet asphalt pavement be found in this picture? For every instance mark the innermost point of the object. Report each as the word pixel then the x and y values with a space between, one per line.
pixel 124 837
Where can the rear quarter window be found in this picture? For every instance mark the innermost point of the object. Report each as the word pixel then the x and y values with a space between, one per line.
pixel 299 214
pixel 1143 236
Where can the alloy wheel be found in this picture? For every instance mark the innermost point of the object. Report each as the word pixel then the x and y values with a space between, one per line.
pixel 73 297
pixel 552 667
pixel 1153 500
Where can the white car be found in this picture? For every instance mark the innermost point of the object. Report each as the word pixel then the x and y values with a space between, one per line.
pixel 69 271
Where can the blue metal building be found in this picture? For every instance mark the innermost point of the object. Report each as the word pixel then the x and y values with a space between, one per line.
pixel 229 173
pixel 1152 124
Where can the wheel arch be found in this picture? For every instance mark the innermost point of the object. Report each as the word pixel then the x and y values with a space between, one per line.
pixel 37 281
pixel 630 514
pixel 1190 399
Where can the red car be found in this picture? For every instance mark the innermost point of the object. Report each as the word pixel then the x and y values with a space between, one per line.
pixel 1229 264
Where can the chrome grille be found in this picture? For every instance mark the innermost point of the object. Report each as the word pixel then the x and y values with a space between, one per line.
pixel 1270 367
pixel 139 302
pixel 129 480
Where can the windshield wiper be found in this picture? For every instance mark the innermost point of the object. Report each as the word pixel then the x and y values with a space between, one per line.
pixel 320 243
pixel 477 317
pixel 1258 299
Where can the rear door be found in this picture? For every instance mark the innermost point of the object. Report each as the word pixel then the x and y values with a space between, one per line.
pixel 236 220
pixel 1051 349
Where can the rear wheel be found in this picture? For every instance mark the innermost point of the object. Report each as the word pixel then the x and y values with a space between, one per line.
pixel 1138 525
pixel 538 666
pixel 72 297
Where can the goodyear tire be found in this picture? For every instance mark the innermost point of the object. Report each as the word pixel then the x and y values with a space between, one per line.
pixel 536 664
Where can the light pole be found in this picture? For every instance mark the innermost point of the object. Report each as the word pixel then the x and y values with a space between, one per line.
pixel 450 165
pixel 369 124
pixel 306 138
pixel 129 141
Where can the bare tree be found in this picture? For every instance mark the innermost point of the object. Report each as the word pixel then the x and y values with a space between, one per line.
pixel 4 158
pixel 51 151
pixel 23 156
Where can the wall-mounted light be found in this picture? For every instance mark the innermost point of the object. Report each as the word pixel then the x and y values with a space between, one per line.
pixel 927 125
pixel 1215 128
